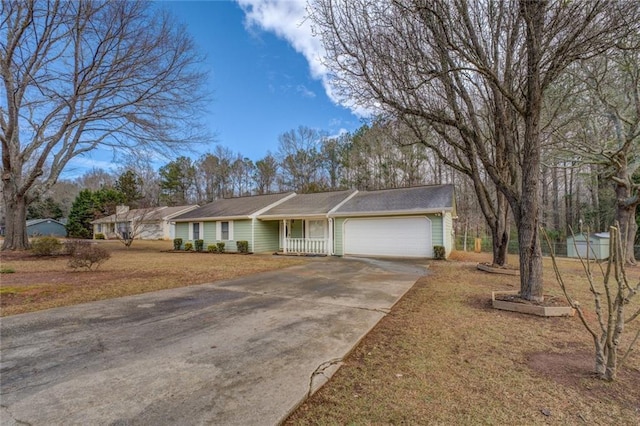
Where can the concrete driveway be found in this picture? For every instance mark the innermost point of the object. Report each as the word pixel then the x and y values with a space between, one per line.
pixel 244 351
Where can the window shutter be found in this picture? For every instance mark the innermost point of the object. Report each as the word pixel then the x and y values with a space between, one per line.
pixel 218 231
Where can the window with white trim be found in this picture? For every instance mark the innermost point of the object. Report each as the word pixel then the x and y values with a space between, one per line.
pixel 195 230
pixel 224 230
pixel 316 229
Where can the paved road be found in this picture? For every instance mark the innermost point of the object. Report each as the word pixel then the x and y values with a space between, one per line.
pixel 242 351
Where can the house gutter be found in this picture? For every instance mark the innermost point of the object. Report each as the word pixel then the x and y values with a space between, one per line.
pixel 211 218
pixel 293 216
pixel 387 213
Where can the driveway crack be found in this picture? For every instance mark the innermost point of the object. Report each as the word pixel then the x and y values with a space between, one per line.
pixel 319 371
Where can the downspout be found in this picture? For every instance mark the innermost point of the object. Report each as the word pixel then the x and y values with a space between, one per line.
pixel 444 233
pixel 330 250
pixel 284 236
pixel 253 232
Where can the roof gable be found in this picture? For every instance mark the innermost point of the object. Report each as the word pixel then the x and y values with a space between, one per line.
pixel 417 199
pixel 319 203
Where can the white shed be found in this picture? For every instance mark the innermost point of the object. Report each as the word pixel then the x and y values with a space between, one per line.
pixel 597 244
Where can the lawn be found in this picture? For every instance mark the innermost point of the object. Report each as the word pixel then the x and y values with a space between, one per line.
pixel 31 283
pixel 444 356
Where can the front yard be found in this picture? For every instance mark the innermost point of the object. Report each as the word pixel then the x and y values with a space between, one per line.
pixel 444 356
pixel 45 282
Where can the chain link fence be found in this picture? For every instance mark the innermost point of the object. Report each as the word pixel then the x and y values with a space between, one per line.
pixel 559 247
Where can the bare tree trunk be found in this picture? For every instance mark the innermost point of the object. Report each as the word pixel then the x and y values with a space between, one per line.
pixel 578 207
pixel 626 217
pixel 595 199
pixel 15 237
pixel 627 203
pixel 545 197
pixel 568 199
pixel 601 358
pixel 527 213
pixel 500 238
pixel 556 200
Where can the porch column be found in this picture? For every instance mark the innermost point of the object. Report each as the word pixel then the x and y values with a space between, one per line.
pixel 330 239
pixel 284 236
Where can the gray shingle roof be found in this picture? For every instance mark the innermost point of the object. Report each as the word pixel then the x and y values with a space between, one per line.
pixel 167 212
pixel 32 222
pixel 308 204
pixel 400 200
pixel 147 215
pixel 233 207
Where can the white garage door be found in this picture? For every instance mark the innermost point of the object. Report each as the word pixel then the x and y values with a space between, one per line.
pixel 403 237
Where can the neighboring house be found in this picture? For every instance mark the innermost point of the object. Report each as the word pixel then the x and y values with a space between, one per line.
pixel 46 228
pixel 154 223
pixel 404 222
pixel 595 245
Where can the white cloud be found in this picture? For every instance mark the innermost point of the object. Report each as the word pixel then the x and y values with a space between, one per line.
pixel 302 89
pixel 287 19
pixel 90 163
pixel 339 133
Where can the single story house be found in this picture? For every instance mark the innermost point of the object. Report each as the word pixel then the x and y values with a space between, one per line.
pixel 154 223
pixel 595 245
pixel 46 228
pixel 403 222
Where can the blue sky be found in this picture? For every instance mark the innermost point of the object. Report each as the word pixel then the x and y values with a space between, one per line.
pixel 265 78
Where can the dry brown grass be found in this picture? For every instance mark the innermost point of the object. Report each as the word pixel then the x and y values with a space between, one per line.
pixel 444 356
pixel 45 282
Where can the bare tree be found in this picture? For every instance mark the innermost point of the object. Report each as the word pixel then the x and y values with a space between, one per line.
pixel 299 159
pixel 96 179
pixel 265 174
pixel 476 73
pixel 132 224
pixel 79 75
pixel 207 179
pixel 607 331
pixel 609 131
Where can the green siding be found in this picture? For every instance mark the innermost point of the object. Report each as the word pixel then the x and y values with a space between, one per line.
pixel 448 233
pixel 266 236
pixel 436 230
pixel 241 232
pixel 209 234
pixel 338 237
pixel 182 231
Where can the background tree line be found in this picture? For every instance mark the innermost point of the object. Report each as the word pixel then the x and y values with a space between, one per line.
pixel 381 154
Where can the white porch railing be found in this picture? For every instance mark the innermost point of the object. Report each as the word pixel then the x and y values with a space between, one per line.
pixel 306 245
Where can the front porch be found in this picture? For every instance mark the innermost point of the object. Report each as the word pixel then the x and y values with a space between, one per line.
pixel 306 236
